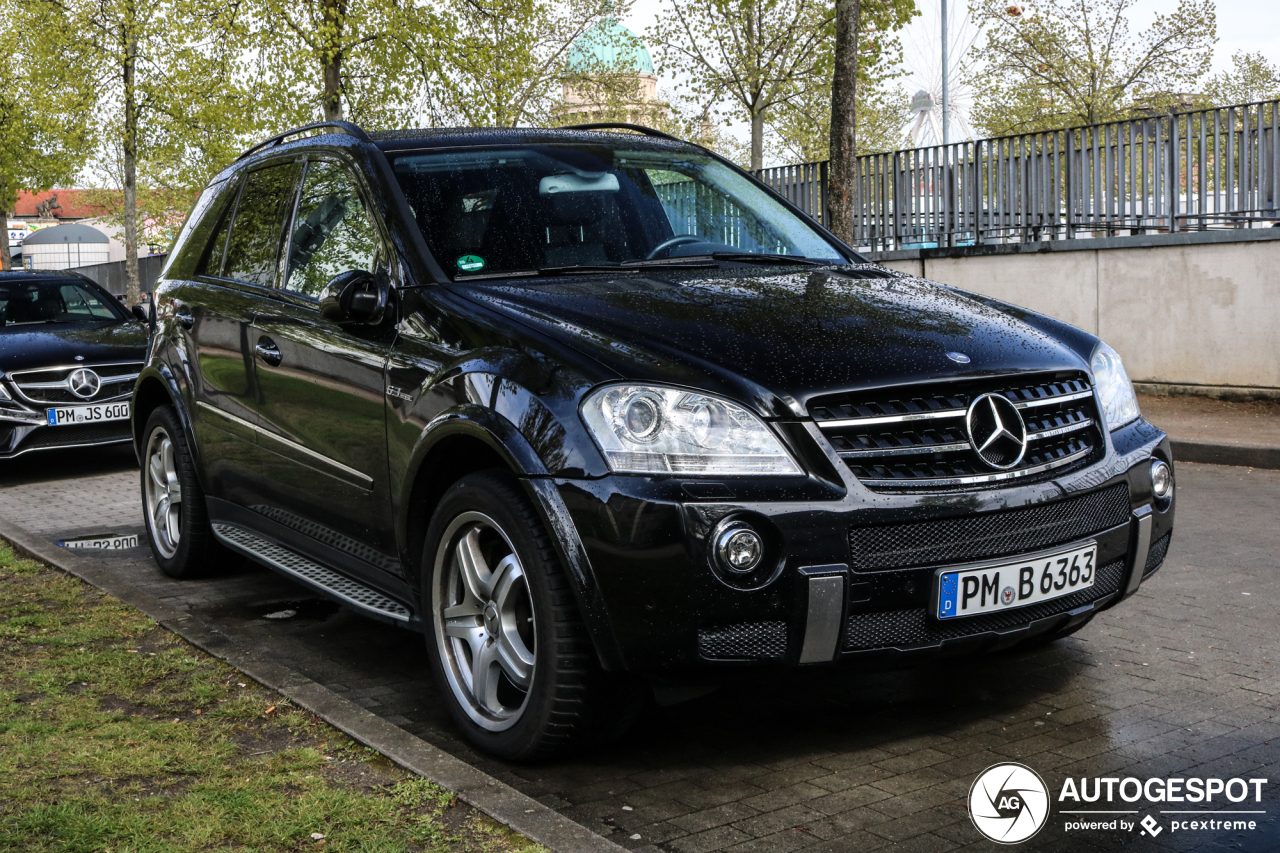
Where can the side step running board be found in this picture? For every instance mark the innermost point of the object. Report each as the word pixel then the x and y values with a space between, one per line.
pixel 312 573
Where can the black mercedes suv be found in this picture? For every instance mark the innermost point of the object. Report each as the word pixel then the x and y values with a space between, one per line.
pixel 69 355
pixel 592 406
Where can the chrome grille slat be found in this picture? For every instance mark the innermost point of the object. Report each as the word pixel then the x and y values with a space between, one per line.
pixel 916 437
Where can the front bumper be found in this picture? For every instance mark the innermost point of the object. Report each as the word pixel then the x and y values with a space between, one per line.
pixel 19 436
pixel 850 572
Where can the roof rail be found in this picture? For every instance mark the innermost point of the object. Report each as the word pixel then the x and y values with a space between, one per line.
pixel 622 125
pixel 344 126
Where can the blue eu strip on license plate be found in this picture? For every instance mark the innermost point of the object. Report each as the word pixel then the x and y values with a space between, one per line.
pixel 53 417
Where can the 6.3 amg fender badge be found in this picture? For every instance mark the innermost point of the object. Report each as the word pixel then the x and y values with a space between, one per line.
pixel 393 391
pixel 996 431
pixel 1009 803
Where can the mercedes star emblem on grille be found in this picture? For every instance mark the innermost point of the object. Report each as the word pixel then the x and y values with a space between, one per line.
pixel 84 383
pixel 996 431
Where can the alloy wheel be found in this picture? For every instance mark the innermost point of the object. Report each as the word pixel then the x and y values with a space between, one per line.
pixel 163 494
pixel 484 621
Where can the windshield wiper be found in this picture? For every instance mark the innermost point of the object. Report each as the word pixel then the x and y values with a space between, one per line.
pixel 694 262
pixel 759 258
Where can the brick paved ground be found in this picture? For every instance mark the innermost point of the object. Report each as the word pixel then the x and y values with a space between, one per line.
pixel 1183 680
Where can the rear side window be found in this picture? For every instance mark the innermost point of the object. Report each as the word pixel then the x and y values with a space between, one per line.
pixel 253 246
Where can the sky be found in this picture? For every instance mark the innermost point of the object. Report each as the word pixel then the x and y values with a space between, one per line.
pixel 1243 25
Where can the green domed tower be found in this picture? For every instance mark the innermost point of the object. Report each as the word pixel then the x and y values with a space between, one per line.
pixel 611 76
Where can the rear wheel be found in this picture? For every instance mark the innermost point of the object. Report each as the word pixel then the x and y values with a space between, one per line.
pixel 507 645
pixel 173 502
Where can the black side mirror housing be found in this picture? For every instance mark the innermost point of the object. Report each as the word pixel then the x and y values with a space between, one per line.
pixel 355 296
pixel 140 313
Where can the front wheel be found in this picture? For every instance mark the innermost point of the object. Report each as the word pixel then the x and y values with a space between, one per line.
pixel 172 500
pixel 508 648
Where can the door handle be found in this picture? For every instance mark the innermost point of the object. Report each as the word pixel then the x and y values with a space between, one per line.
pixel 185 320
pixel 268 352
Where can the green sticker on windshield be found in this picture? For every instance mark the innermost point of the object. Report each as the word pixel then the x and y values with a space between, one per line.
pixel 470 263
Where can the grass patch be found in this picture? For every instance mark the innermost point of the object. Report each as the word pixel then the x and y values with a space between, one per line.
pixel 116 735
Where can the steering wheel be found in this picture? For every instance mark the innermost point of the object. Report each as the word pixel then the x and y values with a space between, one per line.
pixel 672 242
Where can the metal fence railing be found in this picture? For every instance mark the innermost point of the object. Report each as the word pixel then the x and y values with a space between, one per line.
pixel 1195 170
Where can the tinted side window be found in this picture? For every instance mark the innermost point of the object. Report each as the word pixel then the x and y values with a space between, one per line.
pixel 332 233
pixel 253 247
pixel 211 263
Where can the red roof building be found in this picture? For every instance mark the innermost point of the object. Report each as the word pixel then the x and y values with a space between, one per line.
pixel 70 205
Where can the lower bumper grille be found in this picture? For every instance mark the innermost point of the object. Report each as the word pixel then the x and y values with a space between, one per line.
pixel 77 434
pixel 905 629
pixel 986 535
pixel 1155 557
pixel 744 641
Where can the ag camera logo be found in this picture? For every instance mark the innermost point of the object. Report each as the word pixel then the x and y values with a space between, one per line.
pixel 1009 803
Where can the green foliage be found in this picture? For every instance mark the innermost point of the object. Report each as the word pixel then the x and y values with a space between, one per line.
pixel 170 102
pixel 756 55
pixel 802 126
pixel 1251 78
pixel 1060 63
pixel 117 736
pixel 338 59
pixel 44 133
pixel 500 63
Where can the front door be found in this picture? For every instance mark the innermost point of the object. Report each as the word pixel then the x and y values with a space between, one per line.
pixel 323 448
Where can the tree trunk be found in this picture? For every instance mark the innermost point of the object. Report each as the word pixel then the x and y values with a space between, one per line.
pixel 757 141
pixel 334 13
pixel 6 259
pixel 844 143
pixel 134 296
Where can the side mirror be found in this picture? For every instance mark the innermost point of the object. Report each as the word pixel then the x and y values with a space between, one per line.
pixel 355 296
pixel 140 313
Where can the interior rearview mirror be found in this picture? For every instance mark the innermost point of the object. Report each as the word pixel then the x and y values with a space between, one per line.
pixel 355 296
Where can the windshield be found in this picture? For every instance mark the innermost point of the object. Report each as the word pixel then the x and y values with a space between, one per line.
pixel 53 301
pixel 552 207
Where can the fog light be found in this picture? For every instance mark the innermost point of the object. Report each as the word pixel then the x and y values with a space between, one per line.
pixel 1161 480
pixel 739 548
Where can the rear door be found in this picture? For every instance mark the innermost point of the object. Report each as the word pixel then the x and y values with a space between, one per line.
pixel 215 310
pixel 321 385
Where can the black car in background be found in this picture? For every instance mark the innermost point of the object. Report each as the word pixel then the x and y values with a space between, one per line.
pixel 589 408
pixel 69 355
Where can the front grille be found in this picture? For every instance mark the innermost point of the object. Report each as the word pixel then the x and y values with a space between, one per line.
pixel 1155 557
pixel 915 438
pixel 915 628
pixel 989 534
pixel 746 640
pixel 77 434
pixel 48 385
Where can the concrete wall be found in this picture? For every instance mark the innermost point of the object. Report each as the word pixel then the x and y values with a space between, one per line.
pixel 1183 309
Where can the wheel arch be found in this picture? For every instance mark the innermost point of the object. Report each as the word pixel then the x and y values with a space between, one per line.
pixel 471 438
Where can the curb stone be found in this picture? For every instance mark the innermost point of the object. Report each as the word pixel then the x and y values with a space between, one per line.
pixel 1243 455
pixel 474 787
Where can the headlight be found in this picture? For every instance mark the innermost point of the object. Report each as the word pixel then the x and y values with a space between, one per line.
pixel 645 429
pixel 1119 403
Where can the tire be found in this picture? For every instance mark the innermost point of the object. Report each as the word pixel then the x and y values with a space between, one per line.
pixel 177 530
pixel 489 561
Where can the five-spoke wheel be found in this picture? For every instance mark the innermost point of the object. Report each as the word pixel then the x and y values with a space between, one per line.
pixel 163 493
pixel 173 502
pixel 484 621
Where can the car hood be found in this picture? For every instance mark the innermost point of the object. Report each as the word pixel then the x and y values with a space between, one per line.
pixel 780 339
pixel 29 346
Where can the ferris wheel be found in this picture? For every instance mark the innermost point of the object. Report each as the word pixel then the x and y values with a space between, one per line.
pixel 922 56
